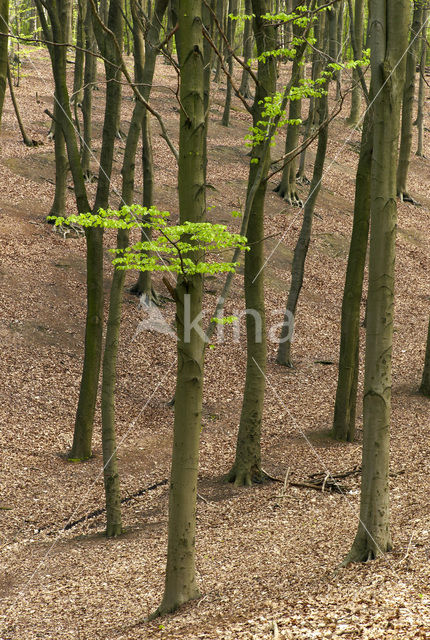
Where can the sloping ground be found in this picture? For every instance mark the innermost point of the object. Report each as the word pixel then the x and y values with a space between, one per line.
pixel 263 556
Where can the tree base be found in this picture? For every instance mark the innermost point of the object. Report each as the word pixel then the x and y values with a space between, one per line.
pixel 288 195
pixel 364 551
pixel 405 197
pixel 245 476
pixel 170 606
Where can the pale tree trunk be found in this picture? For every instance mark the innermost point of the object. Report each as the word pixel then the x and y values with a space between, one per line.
pixel 408 104
pixel 4 28
pixel 78 76
pixel 247 464
pixel 180 584
pixel 388 35
pixel 425 382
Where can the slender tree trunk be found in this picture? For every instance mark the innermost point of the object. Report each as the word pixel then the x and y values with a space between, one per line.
pixel 358 26
pixel 25 138
pixel 346 393
pixel 58 207
pixel 90 73
pixel 421 90
pixel 408 104
pixel 388 33
pixel 247 465
pixel 231 30
pixel 425 382
pixel 145 61
pixel 181 585
pixel 301 249
pixel 78 76
pixel 287 188
pixel 4 41
pixel 248 42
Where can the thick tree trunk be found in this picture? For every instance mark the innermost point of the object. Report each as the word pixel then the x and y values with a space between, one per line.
pixel 181 585
pixel 110 463
pixel 58 207
pixel 425 382
pixel 408 104
pixel 388 33
pixel 247 464
pixel 4 41
pixel 346 393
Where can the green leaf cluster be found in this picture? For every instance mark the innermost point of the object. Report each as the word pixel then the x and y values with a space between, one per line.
pixel 175 248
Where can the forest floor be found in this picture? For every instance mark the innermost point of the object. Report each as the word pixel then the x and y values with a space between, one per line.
pixel 267 559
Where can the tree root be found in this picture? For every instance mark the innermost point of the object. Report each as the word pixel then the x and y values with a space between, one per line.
pixel 245 476
pixel 405 197
pixel 289 196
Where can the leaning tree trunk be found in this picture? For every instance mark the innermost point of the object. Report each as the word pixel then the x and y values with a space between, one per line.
pixel 180 584
pixel 408 104
pixel 388 34
pixel 4 41
pixel 25 137
pixel 300 252
pixel 247 464
pixel 425 382
pixel 346 392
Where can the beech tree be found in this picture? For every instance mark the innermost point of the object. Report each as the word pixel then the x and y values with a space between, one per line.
pixel 4 28
pixel 408 103
pixel 389 21
pixel 425 382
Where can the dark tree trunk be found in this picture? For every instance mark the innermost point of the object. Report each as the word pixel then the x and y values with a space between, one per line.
pixel 346 393
pixel 247 465
pixel 425 382
pixel 4 42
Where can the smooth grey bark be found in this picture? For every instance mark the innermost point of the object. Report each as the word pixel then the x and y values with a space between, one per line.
pixel 388 36
pixel 90 73
pixel 78 76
